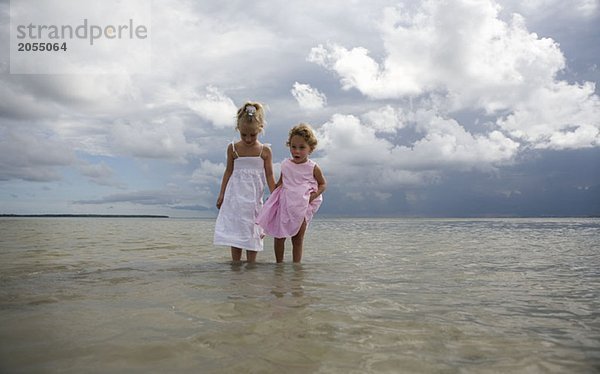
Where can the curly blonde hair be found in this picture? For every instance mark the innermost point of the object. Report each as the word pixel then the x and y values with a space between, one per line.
pixel 305 131
pixel 251 113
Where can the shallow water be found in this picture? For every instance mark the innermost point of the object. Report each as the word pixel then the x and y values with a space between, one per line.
pixel 372 296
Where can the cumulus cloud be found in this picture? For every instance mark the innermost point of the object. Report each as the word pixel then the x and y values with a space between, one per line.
pixel 557 116
pixel 458 47
pixel 384 120
pixel 215 107
pixel 353 154
pixel 465 57
pixel 308 97
pixel 447 145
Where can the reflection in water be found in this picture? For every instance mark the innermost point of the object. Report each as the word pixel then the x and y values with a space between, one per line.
pixel 288 279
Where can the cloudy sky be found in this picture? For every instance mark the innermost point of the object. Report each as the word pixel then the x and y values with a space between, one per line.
pixel 422 108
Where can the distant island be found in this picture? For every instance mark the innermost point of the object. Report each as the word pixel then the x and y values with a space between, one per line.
pixel 84 215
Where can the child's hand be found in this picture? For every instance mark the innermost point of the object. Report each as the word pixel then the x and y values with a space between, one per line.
pixel 219 202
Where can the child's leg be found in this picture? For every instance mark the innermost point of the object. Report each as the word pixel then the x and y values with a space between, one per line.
pixel 279 245
pixel 251 256
pixel 298 242
pixel 236 254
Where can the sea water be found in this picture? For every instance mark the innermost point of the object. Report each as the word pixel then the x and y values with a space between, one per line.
pixel 98 295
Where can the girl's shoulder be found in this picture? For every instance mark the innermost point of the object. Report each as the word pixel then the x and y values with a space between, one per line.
pixel 231 151
pixel 265 152
pixel 310 164
pixel 316 168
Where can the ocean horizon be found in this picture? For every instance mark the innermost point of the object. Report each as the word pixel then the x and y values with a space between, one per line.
pixel 373 295
pixel 320 216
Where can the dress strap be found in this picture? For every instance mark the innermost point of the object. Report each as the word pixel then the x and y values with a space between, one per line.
pixel 233 147
pixel 263 147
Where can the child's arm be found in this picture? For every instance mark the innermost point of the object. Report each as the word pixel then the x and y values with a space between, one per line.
pixel 321 183
pixel 226 175
pixel 279 182
pixel 268 158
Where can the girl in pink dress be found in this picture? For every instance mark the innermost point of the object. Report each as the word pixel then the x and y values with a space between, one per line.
pixel 290 208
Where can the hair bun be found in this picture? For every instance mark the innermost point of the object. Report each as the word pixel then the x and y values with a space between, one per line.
pixel 250 110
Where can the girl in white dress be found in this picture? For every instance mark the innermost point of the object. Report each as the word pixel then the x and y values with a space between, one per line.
pixel 249 165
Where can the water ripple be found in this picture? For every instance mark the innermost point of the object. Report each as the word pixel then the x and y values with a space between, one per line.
pixel 373 295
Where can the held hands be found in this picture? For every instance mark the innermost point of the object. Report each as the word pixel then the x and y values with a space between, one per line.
pixel 313 195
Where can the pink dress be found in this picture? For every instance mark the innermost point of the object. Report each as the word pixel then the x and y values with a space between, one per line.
pixel 288 206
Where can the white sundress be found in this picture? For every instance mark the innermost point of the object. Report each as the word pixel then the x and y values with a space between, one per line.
pixel 235 226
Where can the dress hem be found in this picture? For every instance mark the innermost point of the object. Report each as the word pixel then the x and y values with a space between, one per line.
pixel 237 245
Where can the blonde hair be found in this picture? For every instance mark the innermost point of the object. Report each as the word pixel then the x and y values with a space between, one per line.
pixel 304 131
pixel 251 113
